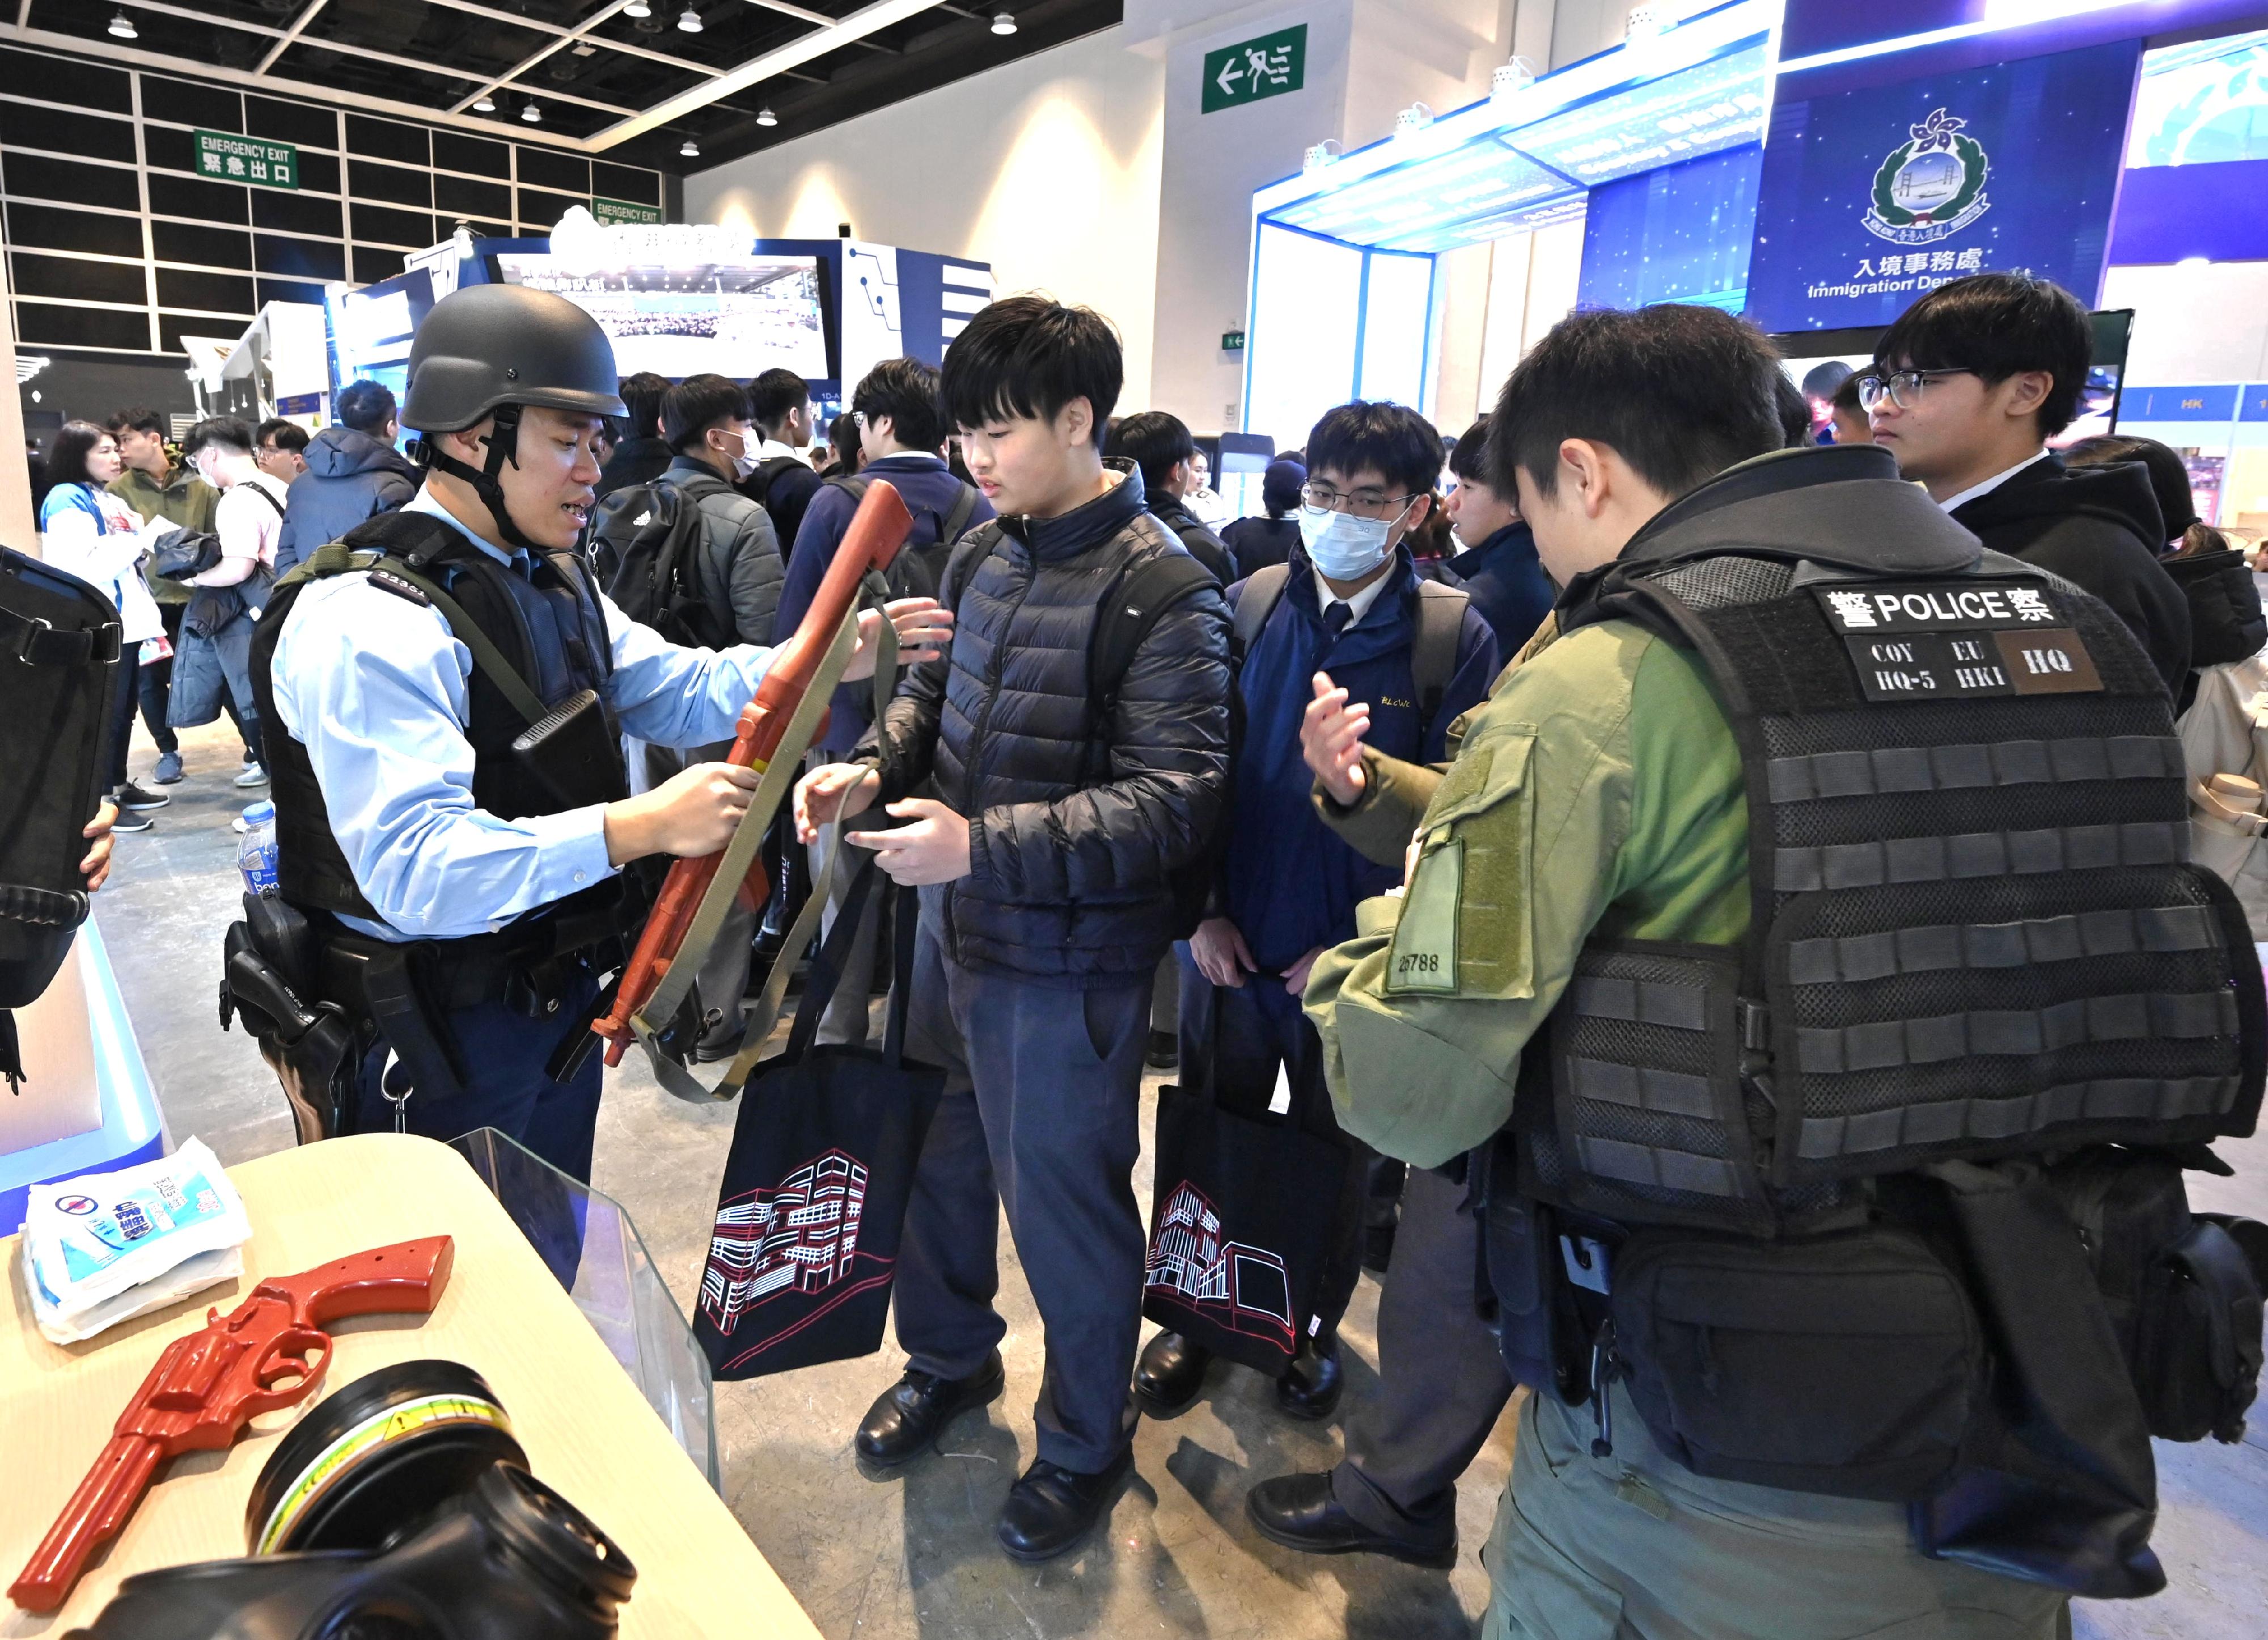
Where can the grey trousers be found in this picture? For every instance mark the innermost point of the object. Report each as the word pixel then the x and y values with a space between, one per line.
pixel 723 980
pixel 1442 1384
pixel 1041 1115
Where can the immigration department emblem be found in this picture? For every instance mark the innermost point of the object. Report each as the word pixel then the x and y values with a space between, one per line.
pixel 1930 185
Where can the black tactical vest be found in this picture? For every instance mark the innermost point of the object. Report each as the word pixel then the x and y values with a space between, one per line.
pixel 1976 933
pixel 549 628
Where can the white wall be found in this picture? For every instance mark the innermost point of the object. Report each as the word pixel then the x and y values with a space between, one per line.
pixel 1213 164
pixel 1046 167
pixel 2207 323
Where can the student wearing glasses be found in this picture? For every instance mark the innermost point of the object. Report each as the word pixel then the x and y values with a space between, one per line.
pixel 1350 617
pixel 1966 389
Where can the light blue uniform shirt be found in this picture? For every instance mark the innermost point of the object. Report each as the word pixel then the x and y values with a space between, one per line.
pixel 376 688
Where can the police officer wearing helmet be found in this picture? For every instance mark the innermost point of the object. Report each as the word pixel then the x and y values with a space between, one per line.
pixel 453 815
pixel 1800 958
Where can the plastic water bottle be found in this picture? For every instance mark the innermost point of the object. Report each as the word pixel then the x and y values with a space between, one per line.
pixel 255 855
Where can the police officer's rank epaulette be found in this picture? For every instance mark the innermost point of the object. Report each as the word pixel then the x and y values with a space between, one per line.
pixel 387 580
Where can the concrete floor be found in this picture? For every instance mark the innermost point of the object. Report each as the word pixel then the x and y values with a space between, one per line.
pixel 914 1556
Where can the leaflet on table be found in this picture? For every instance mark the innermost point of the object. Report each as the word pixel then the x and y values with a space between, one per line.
pixel 91 1238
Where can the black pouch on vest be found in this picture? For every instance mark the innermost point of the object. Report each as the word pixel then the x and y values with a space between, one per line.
pixel 2064 1489
pixel 2198 1360
pixel 2182 1298
pixel 1538 1330
pixel 576 752
pixel 1849 1365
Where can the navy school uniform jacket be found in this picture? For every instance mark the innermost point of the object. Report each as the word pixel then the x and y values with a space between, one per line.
pixel 1290 884
pixel 1508 585
pixel 930 491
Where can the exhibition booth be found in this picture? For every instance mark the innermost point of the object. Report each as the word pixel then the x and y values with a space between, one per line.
pixel 677 299
pixel 1816 167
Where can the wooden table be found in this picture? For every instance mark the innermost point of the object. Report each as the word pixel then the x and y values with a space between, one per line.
pixel 586 1429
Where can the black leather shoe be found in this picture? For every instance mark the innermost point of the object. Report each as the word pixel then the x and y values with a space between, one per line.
pixel 1164 1051
pixel 1310 1385
pixel 1052 1509
pixel 1169 1374
pixel 1378 1247
pixel 907 1417
pixel 1299 1511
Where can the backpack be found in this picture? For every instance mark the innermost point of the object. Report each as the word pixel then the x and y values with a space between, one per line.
pixel 919 569
pixel 645 547
pixel 1433 650
pixel 1129 607
pixel 757 486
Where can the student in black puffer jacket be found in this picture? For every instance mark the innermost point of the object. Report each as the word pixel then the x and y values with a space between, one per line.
pixel 1046 860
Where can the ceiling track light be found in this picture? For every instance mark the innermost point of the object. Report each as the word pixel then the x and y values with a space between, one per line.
pixel 637 9
pixel 690 149
pixel 484 104
pixel 765 116
pixel 121 26
pixel 1002 23
pixel 688 21
pixel 531 113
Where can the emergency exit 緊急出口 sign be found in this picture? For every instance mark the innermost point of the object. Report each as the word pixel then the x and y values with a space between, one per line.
pixel 1253 69
pixel 253 160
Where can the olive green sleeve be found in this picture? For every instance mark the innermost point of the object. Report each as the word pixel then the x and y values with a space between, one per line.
pixel 1599 789
pixel 1378 823
pixel 1423 1014
pixel 1395 794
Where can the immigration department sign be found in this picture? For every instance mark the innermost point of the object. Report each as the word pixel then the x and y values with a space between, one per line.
pixel 1930 185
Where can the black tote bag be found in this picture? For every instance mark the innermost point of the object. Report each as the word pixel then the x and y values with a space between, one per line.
pixel 1241 1227
pixel 813 1201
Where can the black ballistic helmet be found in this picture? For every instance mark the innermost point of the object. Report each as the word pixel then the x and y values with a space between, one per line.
pixel 492 350
pixel 490 345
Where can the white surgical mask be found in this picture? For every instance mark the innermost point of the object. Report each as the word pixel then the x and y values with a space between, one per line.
pixel 744 461
pixel 1343 546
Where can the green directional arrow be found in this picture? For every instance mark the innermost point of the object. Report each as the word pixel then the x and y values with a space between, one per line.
pixel 1267 66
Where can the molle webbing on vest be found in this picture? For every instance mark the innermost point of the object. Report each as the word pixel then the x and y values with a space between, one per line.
pixel 1976 933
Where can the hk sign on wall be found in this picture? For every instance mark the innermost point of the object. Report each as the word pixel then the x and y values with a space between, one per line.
pixel 1871 197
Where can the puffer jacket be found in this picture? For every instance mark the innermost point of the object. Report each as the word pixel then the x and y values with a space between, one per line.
pixel 350 477
pixel 1071 832
pixel 737 571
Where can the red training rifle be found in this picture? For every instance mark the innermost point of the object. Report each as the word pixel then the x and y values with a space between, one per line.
pixel 877 531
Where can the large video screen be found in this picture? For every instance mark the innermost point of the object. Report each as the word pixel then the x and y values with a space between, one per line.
pixel 1818 361
pixel 737 318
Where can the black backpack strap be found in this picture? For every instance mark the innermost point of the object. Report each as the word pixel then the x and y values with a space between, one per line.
pixel 1143 592
pixel 1263 588
pixel 967 555
pixel 1433 648
pixel 851 485
pixel 964 508
pixel 766 475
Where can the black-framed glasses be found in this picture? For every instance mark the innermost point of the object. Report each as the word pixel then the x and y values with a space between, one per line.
pixel 1902 387
pixel 1321 498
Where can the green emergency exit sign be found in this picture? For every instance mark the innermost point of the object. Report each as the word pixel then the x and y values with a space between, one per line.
pixel 611 211
pixel 1232 341
pixel 1252 68
pixel 253 160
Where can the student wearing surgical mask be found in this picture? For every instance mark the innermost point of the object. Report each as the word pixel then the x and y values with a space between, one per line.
pixel 1348 615
pixel 737 572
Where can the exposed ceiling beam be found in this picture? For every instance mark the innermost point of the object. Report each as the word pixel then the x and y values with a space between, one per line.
pixel 173 9
pixel 822 19
pixel 298 25
pixel 793 54
pixel 168 63
pixel 577 30
pixel 565 39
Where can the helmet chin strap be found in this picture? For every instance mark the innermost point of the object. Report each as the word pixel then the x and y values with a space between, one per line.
pixel 504 446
